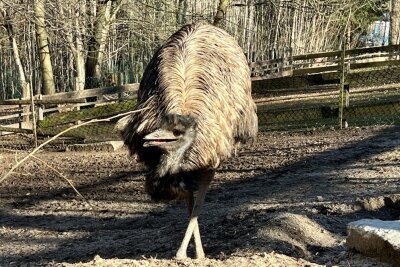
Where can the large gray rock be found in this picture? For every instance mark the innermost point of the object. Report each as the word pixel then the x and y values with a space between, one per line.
pixel 376 238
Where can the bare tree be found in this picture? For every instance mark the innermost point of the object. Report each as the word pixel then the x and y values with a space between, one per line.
pixel 394 22
pixel 48 86
pixel 182 7
pixel 8 24
pixel 75 31
pixel 89 38
pixel 221 11
pixel 105 16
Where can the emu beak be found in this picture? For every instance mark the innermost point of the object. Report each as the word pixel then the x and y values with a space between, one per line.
pixel 159 138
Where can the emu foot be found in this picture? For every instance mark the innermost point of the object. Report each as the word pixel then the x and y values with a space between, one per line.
pixel 181 255
pixel 200 255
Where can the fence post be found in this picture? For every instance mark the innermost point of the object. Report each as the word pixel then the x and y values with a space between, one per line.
pixel 120 82
pixel 343 74
pixel 33 118
pixel 347 95
pixel 40 109
pixel 20 117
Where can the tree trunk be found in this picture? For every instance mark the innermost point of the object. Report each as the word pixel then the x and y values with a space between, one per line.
pixel 249 31
pixel 24 84
pixel 79 54
pixel 97 43
pixel 43 47
pixel 8 23
pixel 74 39
pixel 181 12
pixel 221 11
pixel 394 22
pixel 274 52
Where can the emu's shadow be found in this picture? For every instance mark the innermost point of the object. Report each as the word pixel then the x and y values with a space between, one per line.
pixel 226 223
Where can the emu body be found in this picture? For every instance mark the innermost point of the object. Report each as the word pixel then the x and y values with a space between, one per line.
pixel 197 91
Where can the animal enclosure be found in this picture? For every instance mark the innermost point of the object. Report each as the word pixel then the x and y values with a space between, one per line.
pixel 290 193
pixel 319 79
pixel 347 88
pixel 289 196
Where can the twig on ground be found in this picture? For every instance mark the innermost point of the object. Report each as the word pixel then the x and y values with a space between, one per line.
pixel 65 178
pixel 61 133
pixel 16 157
pixel 9 150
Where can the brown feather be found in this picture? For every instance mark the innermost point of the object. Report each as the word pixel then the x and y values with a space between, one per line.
pixel 200 71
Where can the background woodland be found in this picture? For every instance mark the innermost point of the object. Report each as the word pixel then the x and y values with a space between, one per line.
pixel 58 46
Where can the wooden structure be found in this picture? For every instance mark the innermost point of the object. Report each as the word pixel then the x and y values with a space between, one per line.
pixel 308 64
pixel 322 82
pixel 337 72
pixel 63 109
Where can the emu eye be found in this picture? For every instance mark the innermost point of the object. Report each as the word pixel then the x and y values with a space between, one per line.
pixel 177 132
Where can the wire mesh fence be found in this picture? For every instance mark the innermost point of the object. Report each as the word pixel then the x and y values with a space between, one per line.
pixel 369 96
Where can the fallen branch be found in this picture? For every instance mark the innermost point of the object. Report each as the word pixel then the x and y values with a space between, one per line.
pixel 65 178
pixel 61 133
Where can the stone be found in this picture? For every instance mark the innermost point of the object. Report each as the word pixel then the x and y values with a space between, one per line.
pixel 376 238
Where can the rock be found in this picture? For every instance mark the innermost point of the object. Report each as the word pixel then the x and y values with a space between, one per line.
pixel 108 146
pixel 376 238
pixel 390 202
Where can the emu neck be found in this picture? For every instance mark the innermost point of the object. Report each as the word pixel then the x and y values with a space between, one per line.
pixel 171 162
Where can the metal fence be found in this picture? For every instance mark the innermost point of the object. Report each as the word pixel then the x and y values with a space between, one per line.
pixel 331 89
pixel 368 97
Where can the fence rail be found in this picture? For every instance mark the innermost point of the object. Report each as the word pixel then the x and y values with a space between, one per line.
pixel 297 93
pixel 17 120
pixel 325 62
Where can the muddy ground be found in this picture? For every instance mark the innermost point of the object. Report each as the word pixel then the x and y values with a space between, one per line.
pixel 284 201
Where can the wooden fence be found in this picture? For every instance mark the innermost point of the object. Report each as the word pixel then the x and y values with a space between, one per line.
pixel 298 65
pixel 14 120
pixel 337 71
pixel 323 74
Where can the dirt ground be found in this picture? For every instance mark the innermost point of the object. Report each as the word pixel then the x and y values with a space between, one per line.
pixel 284 201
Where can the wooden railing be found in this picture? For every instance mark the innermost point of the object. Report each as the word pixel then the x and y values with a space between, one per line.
pixel 325 62
pixel 47 107
pixel 15 120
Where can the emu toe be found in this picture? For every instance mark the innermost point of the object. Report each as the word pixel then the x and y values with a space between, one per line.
pixel 181 255
pixel 200 255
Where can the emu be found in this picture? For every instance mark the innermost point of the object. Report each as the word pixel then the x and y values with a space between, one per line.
pixel 197 91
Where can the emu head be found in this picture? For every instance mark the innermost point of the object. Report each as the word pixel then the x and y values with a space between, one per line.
pixel 173 138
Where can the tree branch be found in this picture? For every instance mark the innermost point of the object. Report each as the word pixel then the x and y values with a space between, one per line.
pixel 61 133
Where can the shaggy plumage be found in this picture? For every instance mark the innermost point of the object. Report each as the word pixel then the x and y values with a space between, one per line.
pixel 198 81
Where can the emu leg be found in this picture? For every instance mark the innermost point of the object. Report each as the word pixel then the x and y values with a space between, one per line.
pixel 189 202
pixel 196 232
pixel 193 226
pixel 197 241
